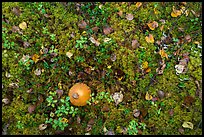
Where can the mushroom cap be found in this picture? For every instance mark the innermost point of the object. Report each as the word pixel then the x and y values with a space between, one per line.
pixel 79 94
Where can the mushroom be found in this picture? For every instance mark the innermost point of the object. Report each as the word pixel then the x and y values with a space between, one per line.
pixel 79 94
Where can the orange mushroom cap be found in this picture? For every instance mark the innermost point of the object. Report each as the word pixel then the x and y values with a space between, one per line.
pixel 79 94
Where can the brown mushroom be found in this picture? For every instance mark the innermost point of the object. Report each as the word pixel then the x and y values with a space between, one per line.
pixel 79 94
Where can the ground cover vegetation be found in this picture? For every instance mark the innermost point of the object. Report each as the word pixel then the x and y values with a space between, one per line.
pixel 141 60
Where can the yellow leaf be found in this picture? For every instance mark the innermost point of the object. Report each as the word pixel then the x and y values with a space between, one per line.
pixel 109 66
pixel 175 13
pixel 187 125
pixel 152 25
pixel 138 4
pixel 60 85
pixel 163 54
pixel 145 65
pixel 155 11
pixel 35 58
pixel 148 70
pixel 23 25
pixel 162 27
pixel 150 38
pixel 148 96
pixel 64 120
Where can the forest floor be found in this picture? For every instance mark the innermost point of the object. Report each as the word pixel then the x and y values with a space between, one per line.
pixel 142 62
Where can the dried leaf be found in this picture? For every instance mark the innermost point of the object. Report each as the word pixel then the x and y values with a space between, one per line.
pixel 37 72
pixel 138 4
pixel 162 27
pixel 188 38
pixel 16 11
pixel 148 70
pixel 148 96
pixel 26 44
pixel 94 41
pixel 15 29
pixel 150 38
pixel 6 101
pixel 135 44
pixel 113 57
pixel 35 58
pixel 40 100
pixel 59 92
pixel 107 39
pixel 107 30
pixel 155 11
pixel 82 25
pixel 31 108
pixel 105 109
pixel 179 69
pixel 129 17
pixel 69 54
pixel 117 97
pixel 95 29
pixel 23 25
pixel 153 25
pixel 187 125
pixel 120 13
pixel 175 13
pixel 136 113
pixel 163 54
pixel 42 126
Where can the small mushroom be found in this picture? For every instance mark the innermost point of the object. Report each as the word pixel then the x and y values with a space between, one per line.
pixel 42 126
pixel 117 97
pixel 79 94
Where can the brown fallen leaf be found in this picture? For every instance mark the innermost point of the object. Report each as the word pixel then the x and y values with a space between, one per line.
pixel 120 13
pixel 82 25
pixel 15 29
pixel 16 11
pixel 188 38
pixel 129 17
pixel 153 25
pixel 161 69
pixel 31 108
pixel 97 43
pixel 107 30
pixel 95 29
pixel 135 44
pixel 26 44
pixel 150 38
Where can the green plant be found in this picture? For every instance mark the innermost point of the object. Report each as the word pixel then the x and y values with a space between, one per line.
pixel 134 126
pixel 80 59
pixel 26 61
pixel 80 42
pixel 51 101
pixel 19 125
pixel 59 123
pixel 6 43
